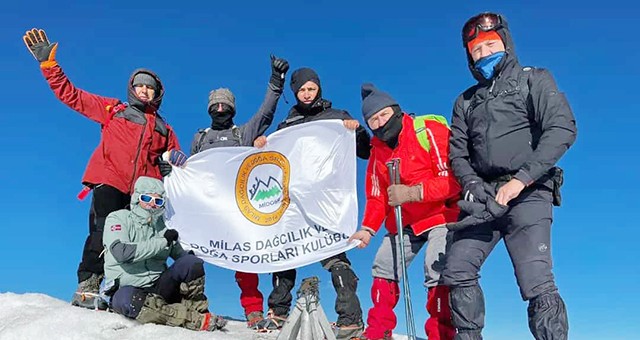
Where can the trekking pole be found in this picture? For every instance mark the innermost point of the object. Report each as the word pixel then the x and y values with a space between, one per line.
pixel 394 175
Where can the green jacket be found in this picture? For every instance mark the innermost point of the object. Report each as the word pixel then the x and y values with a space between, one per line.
pixel 136 251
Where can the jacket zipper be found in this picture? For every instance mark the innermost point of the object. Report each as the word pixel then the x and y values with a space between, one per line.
pixel 486 133
pixel 135 161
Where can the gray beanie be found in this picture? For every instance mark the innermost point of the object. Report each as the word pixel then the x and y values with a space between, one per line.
pixel 222 95
pixel 374 100
pixel 145 79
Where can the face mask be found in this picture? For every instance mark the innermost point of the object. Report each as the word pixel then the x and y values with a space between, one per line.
pixel 390 131
pixel 151 215
pixel 222 120
pixel 487 64
pixel 309 109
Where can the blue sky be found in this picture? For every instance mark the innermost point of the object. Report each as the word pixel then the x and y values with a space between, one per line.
pixel 411 49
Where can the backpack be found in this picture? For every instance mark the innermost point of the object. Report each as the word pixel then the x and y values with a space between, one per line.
pixel 419 124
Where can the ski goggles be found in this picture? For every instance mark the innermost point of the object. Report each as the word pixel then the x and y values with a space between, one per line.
pixel 158 201
pixel 484 22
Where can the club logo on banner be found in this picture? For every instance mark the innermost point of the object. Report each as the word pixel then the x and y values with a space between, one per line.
pixel 262 187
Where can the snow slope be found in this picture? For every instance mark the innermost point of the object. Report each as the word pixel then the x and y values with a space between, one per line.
pixel 38 316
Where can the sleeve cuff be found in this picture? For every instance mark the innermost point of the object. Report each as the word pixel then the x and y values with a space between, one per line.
pixel 420 191
pixel 524 177
pixel 48 64
pixel 370 230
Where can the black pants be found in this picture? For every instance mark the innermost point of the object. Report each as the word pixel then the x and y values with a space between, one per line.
pixel 344 281
pixel 105 200
pixel 526 230
pixel 128 300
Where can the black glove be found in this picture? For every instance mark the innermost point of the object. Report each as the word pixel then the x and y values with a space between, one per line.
pixel 476 191
pixel 165 168
pixel 478 213
pixel 39 45
pixel 171 235
pixel 279 68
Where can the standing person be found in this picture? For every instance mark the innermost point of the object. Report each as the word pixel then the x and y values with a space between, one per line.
pixel 133 137
pixel 310 106
pixel 428 198
pixel 508 132
pixel 223 132
pixel 137 244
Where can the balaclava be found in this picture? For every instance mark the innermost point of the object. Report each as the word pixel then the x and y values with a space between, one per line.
pixel 222 120
pixel 374 100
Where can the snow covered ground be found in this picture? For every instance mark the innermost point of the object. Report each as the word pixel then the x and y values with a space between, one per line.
pixel 38 316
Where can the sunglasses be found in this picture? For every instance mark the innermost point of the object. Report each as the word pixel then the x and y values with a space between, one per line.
pixel 225 108
pixel 158 201
pixel 482 22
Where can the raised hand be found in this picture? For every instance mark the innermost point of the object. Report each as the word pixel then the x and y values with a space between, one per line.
pixel 279 68
pixel 39 45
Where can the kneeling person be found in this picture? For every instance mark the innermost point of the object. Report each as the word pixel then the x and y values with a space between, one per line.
pixel 137 244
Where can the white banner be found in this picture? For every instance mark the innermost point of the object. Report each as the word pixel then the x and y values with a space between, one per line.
pixel 287 205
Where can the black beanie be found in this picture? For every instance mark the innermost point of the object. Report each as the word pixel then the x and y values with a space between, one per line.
pixel 374 100
pixel 302 75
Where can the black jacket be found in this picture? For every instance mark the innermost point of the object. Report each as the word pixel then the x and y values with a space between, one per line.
pixel 322 110
pixel 504 131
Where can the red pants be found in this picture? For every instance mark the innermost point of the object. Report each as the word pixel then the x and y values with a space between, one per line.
pixel 439 325
pixel 381 320
pixel 250 297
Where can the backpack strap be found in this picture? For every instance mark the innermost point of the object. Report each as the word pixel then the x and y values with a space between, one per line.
pixel 203 133
pixel 235 131
pixel 466 104
pixel 114 110
pixel 468 101
pixel 523 85
pixel 419 124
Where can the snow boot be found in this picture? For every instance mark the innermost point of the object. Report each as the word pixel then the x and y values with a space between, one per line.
pixel 156 310
pixel 272 322
pixel 348 332
pixel 193 297
pixel 88 294
pixel 254 318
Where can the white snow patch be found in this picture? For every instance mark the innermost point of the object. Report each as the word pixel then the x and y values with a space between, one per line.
pixel 38 316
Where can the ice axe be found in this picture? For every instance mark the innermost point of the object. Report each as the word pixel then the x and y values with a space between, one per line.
pixel 394 178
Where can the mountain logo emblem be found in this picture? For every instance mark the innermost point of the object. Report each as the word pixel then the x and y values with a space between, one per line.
pixel 261 191
pixel 262 187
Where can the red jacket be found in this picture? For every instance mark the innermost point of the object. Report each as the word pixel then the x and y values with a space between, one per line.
pixel 132 139
pixel 441 190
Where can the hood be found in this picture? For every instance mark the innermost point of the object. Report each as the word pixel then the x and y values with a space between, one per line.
pixel 509 58
pixel 131 94
pixel 147 185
